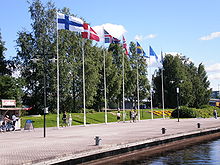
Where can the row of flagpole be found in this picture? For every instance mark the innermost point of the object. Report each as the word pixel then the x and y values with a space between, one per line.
pixel 89 33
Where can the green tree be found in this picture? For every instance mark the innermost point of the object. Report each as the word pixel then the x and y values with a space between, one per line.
pixel 10 87
pixel 180 72
pixel 38 44
pixel 137 62
pixel 3 63
pixel 116 77
pixel 200 87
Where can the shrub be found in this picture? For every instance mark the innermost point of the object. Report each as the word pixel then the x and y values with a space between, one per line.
pixel 205 111
pixel 184 112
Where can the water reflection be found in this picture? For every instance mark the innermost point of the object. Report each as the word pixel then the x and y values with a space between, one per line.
pixel 206 153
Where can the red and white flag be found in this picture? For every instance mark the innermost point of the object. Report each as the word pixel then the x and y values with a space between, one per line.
pixel 89 33
pixel 125 45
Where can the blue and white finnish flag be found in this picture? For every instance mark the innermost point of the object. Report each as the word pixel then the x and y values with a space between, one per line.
pixel 152 53
pixel 69 23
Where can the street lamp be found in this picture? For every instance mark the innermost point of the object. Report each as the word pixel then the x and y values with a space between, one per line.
pixel 177 99
pixel 45 109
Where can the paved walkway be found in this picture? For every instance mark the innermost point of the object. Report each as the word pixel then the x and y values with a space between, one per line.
pixel 29 147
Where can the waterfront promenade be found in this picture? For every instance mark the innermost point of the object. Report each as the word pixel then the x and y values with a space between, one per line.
pixel 29 147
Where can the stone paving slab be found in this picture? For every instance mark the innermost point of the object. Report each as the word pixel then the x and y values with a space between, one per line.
pixel 29 147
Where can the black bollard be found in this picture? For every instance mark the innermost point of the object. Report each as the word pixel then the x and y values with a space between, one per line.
pixel 163 130
pixel 97 140
pixel 198 125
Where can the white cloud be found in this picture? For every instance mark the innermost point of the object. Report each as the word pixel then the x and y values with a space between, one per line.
pixel 213 72
pixel 141 37
pixel 211 36
pixel 151 36
pixel 113 29
pixel 213 68
pixel 215 76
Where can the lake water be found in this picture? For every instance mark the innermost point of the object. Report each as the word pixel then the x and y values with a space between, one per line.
pixel 202 154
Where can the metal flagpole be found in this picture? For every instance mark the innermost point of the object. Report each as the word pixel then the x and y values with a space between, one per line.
pixel 58 83
pixel 123 85
pixel 106 118
pixel 162 84
pixel 84 95
pixel 138 89
pixel 151 102
pixel 138 107
pixel 104 70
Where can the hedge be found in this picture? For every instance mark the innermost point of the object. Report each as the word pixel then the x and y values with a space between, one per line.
pixel 204 112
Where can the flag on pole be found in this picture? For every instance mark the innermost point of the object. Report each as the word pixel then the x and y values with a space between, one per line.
pixel 89 33
pixel 115 40
pixel 161 61
pixel 125 45
pixel 107 37
pixel 69 23
pixel 140 50
pixel 110 39
pixel 152 53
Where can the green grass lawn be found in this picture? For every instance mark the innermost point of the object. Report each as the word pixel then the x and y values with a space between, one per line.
pixel 91 118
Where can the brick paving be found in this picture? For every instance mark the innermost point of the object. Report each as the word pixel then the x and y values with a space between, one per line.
pixel 30 147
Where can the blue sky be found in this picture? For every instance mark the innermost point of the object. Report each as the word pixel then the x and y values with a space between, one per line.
pixel 190 27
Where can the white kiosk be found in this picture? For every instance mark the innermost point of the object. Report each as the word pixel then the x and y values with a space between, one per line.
pixel 9 108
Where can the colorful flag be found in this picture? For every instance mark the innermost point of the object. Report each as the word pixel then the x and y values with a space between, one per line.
pixel 152 53
pixel 107 36
pixel 69 23
pixel 125 45
pixel 140 50
pixel 89 33
pixel 110 39
pixel 115 40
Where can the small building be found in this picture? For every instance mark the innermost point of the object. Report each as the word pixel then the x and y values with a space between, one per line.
pixel 214 102
pixel 215 95
pixel 8 107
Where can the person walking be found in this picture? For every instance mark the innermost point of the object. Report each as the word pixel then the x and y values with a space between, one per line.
pixel 215 114
pixel 133 116
pixel 130 114
pixel 70 120
pixel 64 118
pixel 118 115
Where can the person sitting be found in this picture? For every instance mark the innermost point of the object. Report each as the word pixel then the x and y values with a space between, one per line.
pixel 6 119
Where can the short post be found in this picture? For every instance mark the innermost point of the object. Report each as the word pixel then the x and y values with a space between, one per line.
pixel 97 140
pixel 177 97
pixel 163 130
pixel 198 125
